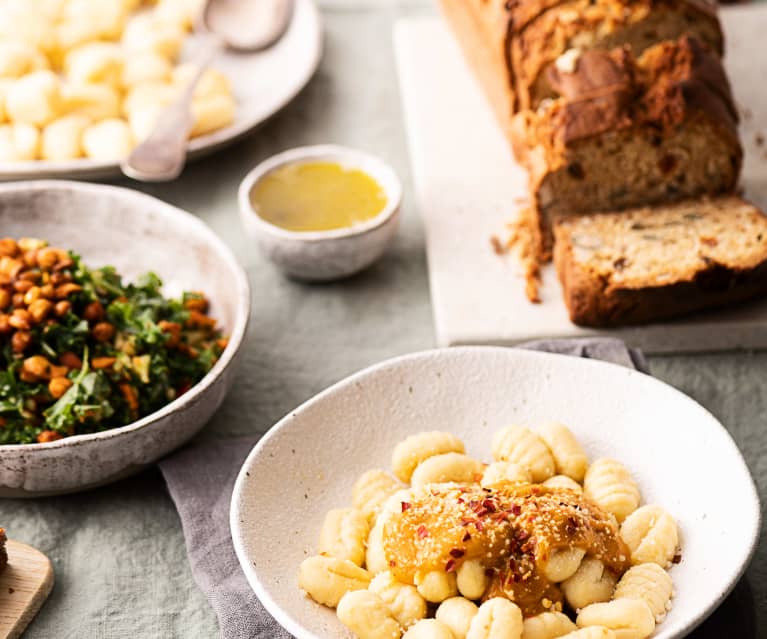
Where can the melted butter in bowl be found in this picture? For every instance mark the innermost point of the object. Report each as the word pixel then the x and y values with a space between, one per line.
pixel 317 196
pixel 323 212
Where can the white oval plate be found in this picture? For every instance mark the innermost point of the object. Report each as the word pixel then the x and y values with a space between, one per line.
pixel 263 84
pixel 679 453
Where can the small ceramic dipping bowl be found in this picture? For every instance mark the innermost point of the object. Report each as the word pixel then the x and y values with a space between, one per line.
pixel 324 255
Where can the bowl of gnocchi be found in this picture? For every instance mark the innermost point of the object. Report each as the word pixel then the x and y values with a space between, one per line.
pixel 83 82
pixel 492 493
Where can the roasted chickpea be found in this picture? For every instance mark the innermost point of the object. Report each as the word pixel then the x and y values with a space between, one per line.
pixel 48 436
pixel 22 286
pixel 40 309
pixel 37 366
pixel 103 362
pixel 70 360
pixel 196 304
pixel 103 332
pixel 58 386
pixel 65 290
pixel 20 341
pixel 62 308
pixel 32 295
pixel 8 247
pixel 21 319
pixel 5 324
pixel 47 258
pixel 5 298
pixel 17 300
pixel 94 312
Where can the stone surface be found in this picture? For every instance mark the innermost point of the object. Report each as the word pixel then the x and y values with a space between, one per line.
pixel 118 552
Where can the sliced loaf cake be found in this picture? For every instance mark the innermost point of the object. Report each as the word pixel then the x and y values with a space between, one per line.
pixel 648 264
pixel 628 132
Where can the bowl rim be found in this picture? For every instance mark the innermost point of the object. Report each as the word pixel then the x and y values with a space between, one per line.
pixel 283 618
pixel 374 166
pixel 236 335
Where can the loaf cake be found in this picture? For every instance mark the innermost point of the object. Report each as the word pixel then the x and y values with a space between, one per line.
pixel 628 132
pixel 511 44
pixel 3 550
pixel 653 263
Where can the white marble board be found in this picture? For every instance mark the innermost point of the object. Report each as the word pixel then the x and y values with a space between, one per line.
pixel 468 187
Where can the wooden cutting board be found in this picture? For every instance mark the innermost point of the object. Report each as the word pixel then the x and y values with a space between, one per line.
pixel 468 187
pixel 24 587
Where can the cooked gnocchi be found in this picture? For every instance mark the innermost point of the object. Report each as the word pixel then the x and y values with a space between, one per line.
pixel 448 547
pixel 106 61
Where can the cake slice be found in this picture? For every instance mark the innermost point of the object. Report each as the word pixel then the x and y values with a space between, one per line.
pixel 511 44
pixel 649 264
pixel 628 132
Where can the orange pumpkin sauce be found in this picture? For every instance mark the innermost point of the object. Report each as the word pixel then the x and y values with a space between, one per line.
pixel 512 529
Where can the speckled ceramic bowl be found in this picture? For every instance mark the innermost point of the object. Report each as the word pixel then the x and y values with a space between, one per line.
pixel 680 455
pixel 135 233
pixel 325 255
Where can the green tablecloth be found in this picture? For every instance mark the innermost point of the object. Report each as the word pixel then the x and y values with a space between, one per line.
pixel 118 552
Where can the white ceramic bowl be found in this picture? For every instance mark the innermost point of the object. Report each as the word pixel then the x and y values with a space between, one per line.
pixel 324 255
pixel 135 233
pixel 682 458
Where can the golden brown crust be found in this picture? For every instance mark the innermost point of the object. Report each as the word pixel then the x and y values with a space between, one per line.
pixel 523 38
pixel 3 550
pixel 600 292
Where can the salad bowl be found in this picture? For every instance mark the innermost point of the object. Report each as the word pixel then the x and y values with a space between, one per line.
pixel 135 233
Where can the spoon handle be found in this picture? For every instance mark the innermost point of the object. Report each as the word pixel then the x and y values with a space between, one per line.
pixel 162 155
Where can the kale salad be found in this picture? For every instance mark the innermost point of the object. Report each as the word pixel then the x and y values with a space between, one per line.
pixel 82 351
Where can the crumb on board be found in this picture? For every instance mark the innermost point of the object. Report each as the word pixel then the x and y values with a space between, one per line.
pixel 524 240
pixel 759 139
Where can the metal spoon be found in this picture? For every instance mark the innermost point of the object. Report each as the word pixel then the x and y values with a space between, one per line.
pixel 240 25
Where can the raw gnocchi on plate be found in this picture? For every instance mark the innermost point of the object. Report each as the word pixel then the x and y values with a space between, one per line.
pixel 537 544
pixel 86 79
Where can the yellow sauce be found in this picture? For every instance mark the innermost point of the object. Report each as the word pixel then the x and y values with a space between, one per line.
pixel 317 196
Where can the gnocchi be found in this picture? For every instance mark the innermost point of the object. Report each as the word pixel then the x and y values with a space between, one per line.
pixel 417 448
pixel 109 139
pixel 547 625
pixel 563 481
pixel 504 471
pixel 405 602
pixel 609 484
pixel 627 618
pixel 472 579
pixel 592 632
pixel 62 138
pixel 569 457
pixel 411 554
pixel 652 536
pixel 34 99
pixel 436 585
pixel 563 564
pixel 100 60
pixel 428 629
pixel 456 613
pixel 344 534
pixel 520 445
pixel 591 583
pixel 365 614
pixel 497 618
pixel 327 579
pixel 447 467
pixel 648 583
pixel 372 489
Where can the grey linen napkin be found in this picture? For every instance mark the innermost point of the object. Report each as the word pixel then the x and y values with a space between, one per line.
pixel 200 480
